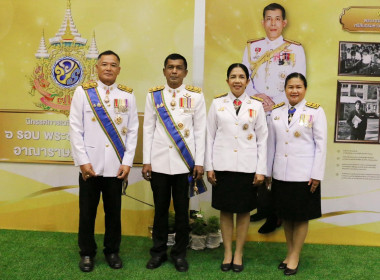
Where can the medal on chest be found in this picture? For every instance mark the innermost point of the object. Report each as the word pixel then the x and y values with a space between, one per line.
pixel 252 114
pixel 186 103
pixel 306 120
pixel 120 107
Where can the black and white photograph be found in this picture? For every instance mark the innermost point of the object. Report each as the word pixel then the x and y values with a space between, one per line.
pixel 359 59
pixel 357 112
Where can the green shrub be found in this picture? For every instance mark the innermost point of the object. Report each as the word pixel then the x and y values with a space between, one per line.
pixel 198 227
pixel 212 224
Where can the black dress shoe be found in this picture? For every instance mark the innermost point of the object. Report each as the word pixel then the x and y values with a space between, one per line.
pixel 238 267
pixel 257 217
pixel 114 261
pixel 226 266
pixel 282 265
pixel 181 264
pixel 156 261
pixel 86 263
pixel 289 271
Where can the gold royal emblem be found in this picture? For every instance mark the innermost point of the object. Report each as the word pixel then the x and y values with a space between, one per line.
pixel 124 130
pixel 180 125
pixel 297 134
pixel 187 133
pixel 118 120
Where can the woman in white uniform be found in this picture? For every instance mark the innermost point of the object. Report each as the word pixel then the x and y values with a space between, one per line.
pixel 296 161
pixel 236 159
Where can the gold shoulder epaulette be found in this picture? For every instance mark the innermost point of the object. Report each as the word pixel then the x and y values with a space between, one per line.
pixel 193 89
pixel 124 88
pixel 156 88
pixel 312 105
pixel 278 105
pixel 89 85
pixel 293 42
pixel 257 98
pixel 220 95
pixel 250 41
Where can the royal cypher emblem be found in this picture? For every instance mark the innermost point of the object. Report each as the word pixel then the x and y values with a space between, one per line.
pixel 61 65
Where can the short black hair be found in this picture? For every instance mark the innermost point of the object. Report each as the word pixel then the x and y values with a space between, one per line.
pixel 109 52
pixel 238 65
pixel 296 75
pixel 175 56
pixel 274 6
pixel 358 102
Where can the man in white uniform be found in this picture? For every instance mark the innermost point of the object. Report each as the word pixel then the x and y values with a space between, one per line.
pixel 174 147
pixel 270 60
pixel 103 134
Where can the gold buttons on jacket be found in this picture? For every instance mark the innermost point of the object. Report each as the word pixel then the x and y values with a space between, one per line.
pixel 286 155
pixel 170 146
pixel 107 145
pixel 235 151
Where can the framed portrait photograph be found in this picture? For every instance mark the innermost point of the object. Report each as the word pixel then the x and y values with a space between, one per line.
pixel 359 59
pixel 357 112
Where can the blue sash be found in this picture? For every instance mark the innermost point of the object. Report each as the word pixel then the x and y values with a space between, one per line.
pixel 105 122
pixel 177 140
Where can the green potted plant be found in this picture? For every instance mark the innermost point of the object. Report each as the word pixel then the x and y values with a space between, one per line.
pixel 213 232
pixel 198 234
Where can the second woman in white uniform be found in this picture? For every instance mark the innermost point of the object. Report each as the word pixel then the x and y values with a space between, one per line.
pixel 296 161
pixel 236 158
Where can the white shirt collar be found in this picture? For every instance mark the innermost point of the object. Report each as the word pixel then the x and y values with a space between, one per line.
pixel 275 43
pixel 298 105
pixel 233 97
pixel 178 89
pixel 105 87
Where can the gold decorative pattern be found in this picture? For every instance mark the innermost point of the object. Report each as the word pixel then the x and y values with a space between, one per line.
pixel 292 42
pixel 250 41
pixel 257 98
pixel 89 85
pixel 312 105
pixel 156 88
pixel 193 89
pixel 125 88
pixel 221 95
pixel 278 105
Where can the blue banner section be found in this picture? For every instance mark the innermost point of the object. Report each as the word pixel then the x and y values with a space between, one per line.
pixel 177 139
pixel 106 122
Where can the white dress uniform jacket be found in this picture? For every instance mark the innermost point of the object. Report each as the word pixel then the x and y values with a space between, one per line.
pixel 270 77
pixel 89 142
pixel 158 149
pixel 297 151
pixel 236 142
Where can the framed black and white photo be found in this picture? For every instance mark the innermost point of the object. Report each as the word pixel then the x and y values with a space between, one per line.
pixel 359 59
pixel 357 112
